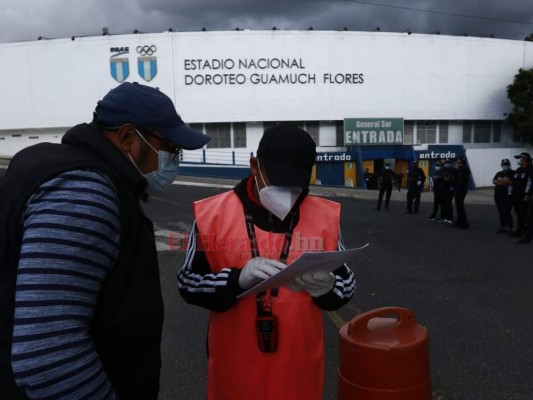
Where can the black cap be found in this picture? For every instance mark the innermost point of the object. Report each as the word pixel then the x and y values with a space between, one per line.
pixel 289 154
pixel 506 161
pixel 146 106
pixel 524 154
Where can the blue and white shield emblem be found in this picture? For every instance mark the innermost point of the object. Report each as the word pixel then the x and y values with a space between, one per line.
pixel 147 67
pixel 120 68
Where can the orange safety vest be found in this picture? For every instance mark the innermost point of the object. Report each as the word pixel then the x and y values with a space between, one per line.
pixel 237 369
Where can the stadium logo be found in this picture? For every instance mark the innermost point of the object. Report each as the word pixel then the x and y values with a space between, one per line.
pixel 119 66
pixel 147 62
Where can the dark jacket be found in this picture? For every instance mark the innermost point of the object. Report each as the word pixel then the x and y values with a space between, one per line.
pixel 127 324
pixel 449 177
pixel 438 183
pixel 387 177
pixel 523 181
pixel 416 178
pixel 500 190
pixel 462 179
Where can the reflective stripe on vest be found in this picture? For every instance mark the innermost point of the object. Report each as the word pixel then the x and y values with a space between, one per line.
pixel 237 369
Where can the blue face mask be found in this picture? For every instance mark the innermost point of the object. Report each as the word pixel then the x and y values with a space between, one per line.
pixel 437 168
pixel 166 172
pixel 447 165
pixel 387 167
pixel 518 162
pixel 506 167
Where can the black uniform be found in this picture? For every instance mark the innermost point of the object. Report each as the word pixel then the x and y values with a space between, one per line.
pixel 522 190
pixel 503 197
pixel 449 175
pixel 438 193
pixel 386 180
pixel 415 185
pixel 461 189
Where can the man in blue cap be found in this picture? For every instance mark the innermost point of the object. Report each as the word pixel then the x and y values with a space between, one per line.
pixel 82 310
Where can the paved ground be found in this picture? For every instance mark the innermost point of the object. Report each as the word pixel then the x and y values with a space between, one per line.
pixel 478 196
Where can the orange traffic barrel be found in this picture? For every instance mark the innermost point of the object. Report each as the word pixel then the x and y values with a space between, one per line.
pixel 384 355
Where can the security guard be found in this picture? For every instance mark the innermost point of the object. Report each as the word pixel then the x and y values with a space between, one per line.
pixel 461 189
pixel 449 175
pixel 522 192
pixel 503 196
pixel 386 180
pixel 438 194
pixel 415 185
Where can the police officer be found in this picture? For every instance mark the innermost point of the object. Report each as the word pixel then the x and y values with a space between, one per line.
pixel 522 192
pixel 386 181
pixel 503 196
pixel 449 174
pixel 438 194
pixel 415 185
pixel 461 189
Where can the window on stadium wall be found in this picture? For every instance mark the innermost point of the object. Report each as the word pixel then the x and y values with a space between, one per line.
pixel 339 133
pixel 467 132
pixel 443 132
pixel 408 132
pixel 220 135
pixel 481 131
pixel 224 135
pixel 426 132
pixel 497 131
pixel 239 135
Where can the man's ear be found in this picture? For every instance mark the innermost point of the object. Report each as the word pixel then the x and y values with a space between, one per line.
pixel 125 138
pixel 254 167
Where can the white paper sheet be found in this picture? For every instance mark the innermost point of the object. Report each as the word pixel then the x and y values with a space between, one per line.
pixel 308 262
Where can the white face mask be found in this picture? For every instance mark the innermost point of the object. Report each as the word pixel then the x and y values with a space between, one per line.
pixel 166 171
pixel 279 200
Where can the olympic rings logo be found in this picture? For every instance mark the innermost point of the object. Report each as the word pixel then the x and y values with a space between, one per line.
pixel 146 50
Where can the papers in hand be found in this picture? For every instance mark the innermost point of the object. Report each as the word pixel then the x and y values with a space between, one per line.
pixel 308 262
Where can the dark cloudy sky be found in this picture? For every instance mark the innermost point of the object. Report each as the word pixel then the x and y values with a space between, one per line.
pixel 22 20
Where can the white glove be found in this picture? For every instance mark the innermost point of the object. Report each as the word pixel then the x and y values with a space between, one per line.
pixel 317 284
pixel 258 269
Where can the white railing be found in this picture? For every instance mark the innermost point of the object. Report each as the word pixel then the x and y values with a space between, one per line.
pixel 217 156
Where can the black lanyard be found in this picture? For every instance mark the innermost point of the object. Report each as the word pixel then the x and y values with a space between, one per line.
pixel 266 323
pixel 264 305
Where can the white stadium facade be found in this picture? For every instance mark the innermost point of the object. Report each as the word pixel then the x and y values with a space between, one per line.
pixel 365 97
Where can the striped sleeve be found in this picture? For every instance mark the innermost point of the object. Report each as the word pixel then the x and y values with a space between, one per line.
pixel 344 288
pixel 345 284
pixel 71 232
pixel 199 285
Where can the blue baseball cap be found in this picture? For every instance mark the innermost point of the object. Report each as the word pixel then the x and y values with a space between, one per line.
pixel 146 106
